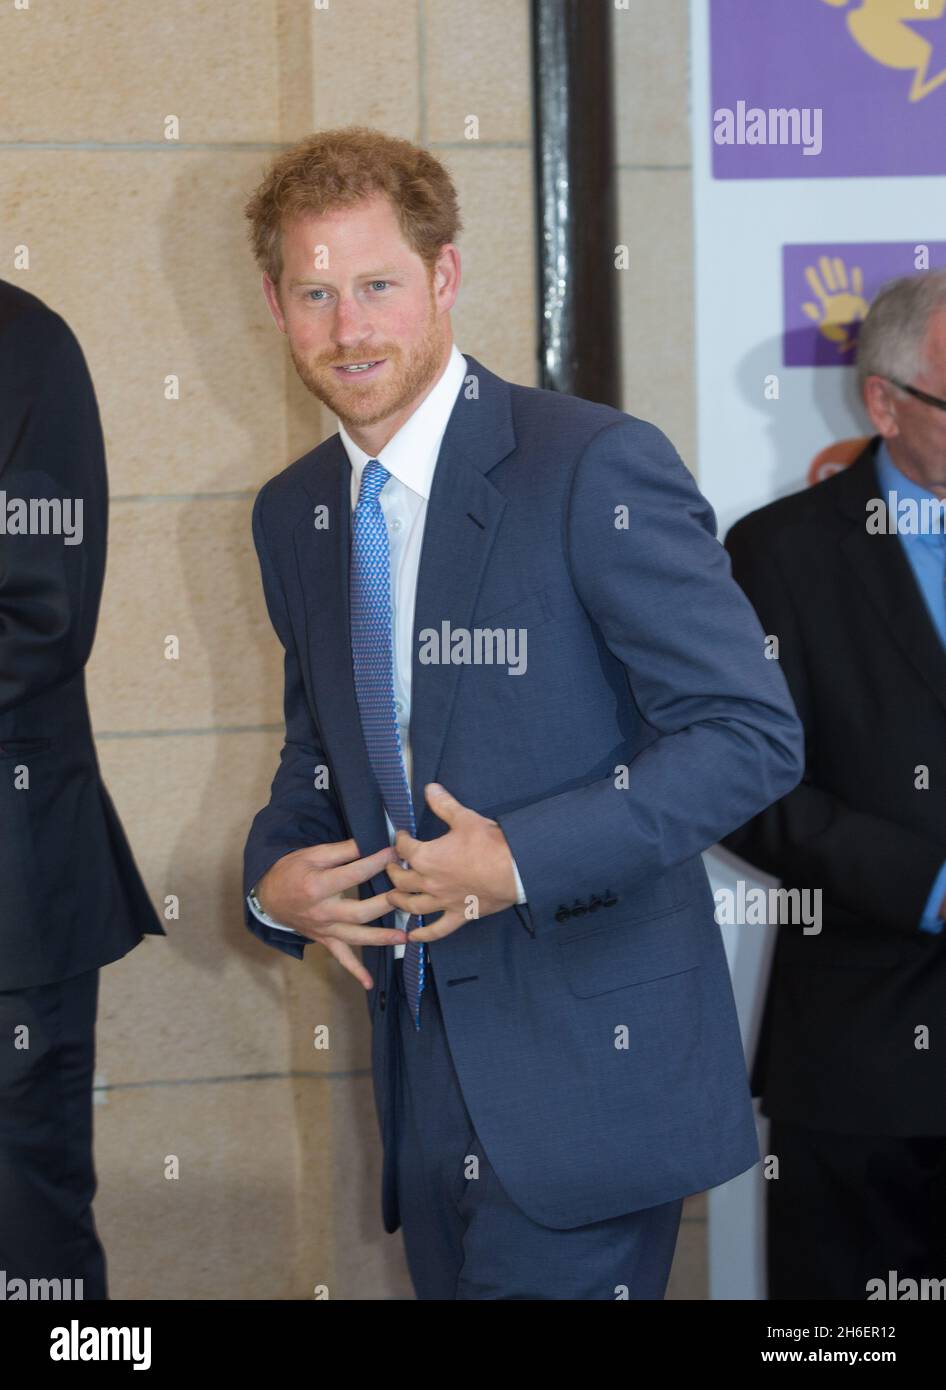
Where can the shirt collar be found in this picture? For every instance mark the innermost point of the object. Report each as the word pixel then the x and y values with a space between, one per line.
pixel 891 479
pixel 410 455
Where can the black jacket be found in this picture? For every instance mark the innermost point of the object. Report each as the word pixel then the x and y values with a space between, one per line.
pixel 867 670
pixel 71 897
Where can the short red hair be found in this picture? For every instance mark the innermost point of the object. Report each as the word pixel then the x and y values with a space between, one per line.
pixel 338 168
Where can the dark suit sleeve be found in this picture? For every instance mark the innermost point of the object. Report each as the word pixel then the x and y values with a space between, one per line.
pixel 299 814
pixel 50 443
pixel 877 870
pixel 660 593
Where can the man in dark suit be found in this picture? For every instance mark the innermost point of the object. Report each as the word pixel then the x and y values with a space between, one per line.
pixel 72 898
pixel 851 1063
pixel 556 1056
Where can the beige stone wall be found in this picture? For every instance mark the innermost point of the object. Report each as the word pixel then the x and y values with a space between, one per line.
pixel 655 221
pixel 205 1038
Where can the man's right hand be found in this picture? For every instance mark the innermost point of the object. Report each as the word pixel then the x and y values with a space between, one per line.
pixel 303 891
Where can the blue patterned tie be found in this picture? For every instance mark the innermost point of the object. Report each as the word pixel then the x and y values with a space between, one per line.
pixel 373 662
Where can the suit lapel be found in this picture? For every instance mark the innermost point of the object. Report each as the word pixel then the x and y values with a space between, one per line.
pixel 885 572
pixel 463 514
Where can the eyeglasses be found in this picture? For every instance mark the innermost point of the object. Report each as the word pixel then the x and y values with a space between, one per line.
pixel 924 396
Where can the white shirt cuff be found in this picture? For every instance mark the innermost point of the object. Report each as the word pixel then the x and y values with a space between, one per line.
pixel 521 898
pixel 265 917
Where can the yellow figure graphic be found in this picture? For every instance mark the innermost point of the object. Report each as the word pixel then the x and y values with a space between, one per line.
pixel 839 304
pixel 879 28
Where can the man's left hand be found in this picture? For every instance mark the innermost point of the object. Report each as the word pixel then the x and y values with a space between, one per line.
pixel 465 874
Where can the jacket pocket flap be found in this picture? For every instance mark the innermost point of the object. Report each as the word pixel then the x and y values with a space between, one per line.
pixel 631 953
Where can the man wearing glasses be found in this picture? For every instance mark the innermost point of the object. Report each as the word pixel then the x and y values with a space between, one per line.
pixel 851 1063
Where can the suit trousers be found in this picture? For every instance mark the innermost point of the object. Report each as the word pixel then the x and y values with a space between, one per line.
pixel 463 1237
pixel 847 1208
pixel 47 1178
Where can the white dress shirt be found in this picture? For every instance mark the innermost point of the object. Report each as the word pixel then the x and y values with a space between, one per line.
pixel 410 456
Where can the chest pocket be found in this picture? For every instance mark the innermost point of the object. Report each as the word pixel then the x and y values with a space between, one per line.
pixel 530 611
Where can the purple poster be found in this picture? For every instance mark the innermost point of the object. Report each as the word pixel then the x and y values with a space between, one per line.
pixel 827 88
pixel 827 289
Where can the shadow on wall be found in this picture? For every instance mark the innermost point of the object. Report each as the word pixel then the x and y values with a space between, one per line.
pixel 810 394
pixel 316 990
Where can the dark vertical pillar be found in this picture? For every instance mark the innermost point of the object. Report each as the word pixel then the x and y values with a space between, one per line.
pixel 574 153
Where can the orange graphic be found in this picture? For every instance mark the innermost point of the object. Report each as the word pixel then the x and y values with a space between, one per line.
pixel 881 29
pixel 835 458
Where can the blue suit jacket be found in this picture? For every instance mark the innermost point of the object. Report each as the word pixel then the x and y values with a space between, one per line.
pixel 594 1033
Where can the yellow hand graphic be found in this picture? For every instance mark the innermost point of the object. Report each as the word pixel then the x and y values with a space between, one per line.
pixel 839 305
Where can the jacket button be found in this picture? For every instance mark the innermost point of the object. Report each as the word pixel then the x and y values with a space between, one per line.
pixel 382 1000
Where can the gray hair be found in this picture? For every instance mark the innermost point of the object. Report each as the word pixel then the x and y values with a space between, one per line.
pixel 892 336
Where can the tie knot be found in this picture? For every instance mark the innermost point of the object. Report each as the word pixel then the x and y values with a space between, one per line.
pixel 373 479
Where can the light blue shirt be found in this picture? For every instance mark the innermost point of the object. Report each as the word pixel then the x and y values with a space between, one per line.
pixel 927 556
